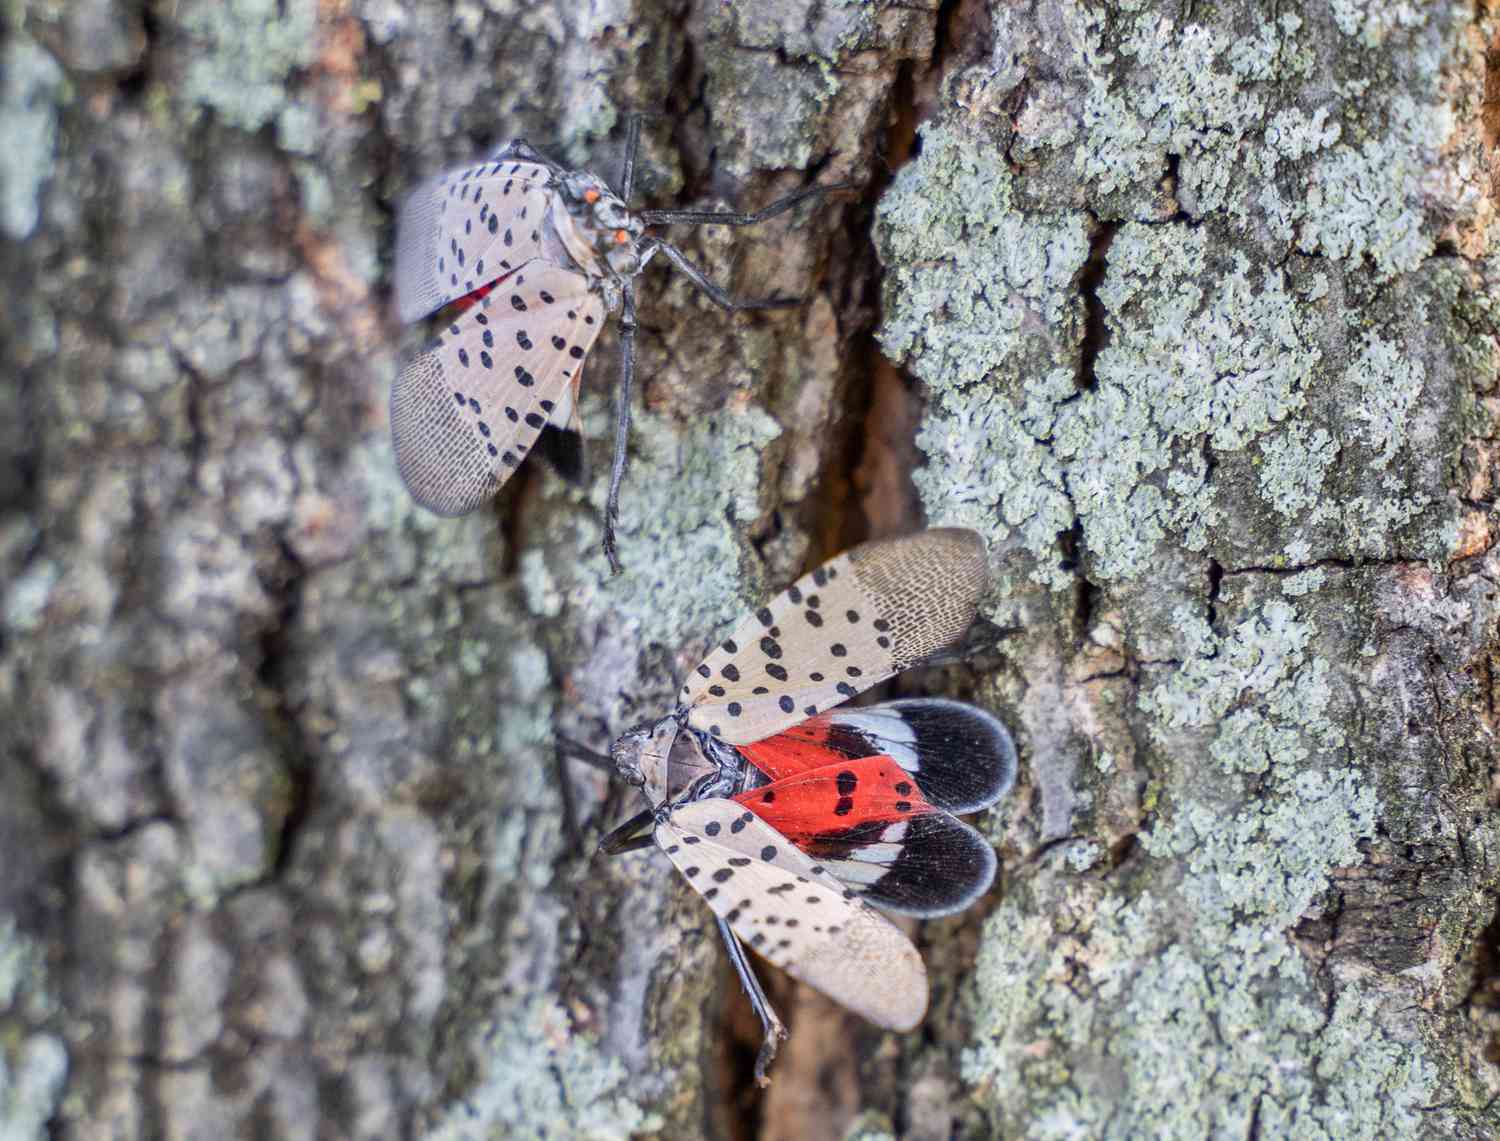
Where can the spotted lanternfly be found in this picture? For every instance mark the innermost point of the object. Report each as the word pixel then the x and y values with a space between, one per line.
pixel 791 816
pixel 535 256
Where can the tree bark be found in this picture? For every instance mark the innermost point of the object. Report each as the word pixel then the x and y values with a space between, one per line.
pixel 1190 309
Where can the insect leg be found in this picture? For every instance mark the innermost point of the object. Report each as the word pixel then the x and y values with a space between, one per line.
pixel 566 747
pixel 772 1026
pixel 733 217
pixel 622 423
pixel 632 836
pixel 632 144
pixel 715 294
pixel 571 827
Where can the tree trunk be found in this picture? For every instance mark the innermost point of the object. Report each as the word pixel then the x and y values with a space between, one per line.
pixel 1189 308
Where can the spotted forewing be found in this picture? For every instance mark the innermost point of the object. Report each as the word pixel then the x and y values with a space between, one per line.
pixel 855 621
pixel 465 228
pixel 795 913
pixel 467 409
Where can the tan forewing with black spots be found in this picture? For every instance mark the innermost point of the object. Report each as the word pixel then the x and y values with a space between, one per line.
pixel 795 913
pixel 858 619
pixel 466 228
pixel 467 409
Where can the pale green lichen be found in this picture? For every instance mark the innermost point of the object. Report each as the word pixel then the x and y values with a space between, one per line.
pixel 1203 347
pixel 1291 134
pixel 970 275
pixel 1207 99
pixel 317 194
pixel 25 598
pixel 33 1063
pixel 1370 519
pixel 1205 971
pixel 984 459
pixel 1169 1001
pixel 1253 1022
pixel 545 1080
pixel 297 129
pixel 690 494
pixel 822 32
pixel 972 279
pixel 1308 582
pixel 1389 383
pixel 31 83
pixel 1198 104
pixel 530 1071
pixel 442 551
pixel 31 1084
pixel 1367 200
pixel 1294 463
pixel 530 830
pixel 1373 21
pixel 1376 415
pixel 246 53
pixel 1081 855
pixel 779 109
pixel 872 1125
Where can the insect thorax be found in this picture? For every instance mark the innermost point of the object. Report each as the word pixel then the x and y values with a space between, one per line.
pixel 668 761
pixel 597 230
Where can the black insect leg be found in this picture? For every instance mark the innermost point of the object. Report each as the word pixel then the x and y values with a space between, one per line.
pixel 735 218
pixel 715 294
pixel 572 829
pixel 632 144
pixel 636 833
pixel 772 1026
pixel 568 749
pixel 622 423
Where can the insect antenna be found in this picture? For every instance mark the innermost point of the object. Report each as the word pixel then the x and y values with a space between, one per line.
pixel 632 144
pixel 734 217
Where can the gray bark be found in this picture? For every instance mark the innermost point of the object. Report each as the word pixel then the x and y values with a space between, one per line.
pixel 1189 308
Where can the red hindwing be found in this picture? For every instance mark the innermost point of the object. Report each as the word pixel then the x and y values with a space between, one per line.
pixel 835 797
pixel 800 749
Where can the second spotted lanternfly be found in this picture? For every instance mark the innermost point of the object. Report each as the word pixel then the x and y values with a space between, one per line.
pixel 538 255
pixel 791 817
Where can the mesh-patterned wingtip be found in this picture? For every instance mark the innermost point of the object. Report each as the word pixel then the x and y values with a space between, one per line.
pixel 418 289
pixel 435 450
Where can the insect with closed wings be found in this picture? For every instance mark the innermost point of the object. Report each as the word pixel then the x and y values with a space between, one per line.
pixel 538 256
pixel 791 816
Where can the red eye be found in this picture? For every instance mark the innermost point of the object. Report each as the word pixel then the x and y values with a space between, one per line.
pixel 621 237
pixel 591 196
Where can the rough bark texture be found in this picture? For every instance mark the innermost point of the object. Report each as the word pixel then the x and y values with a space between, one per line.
pixel 1189 308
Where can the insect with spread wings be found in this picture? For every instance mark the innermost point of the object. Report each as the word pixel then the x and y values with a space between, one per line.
pixel 791 816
